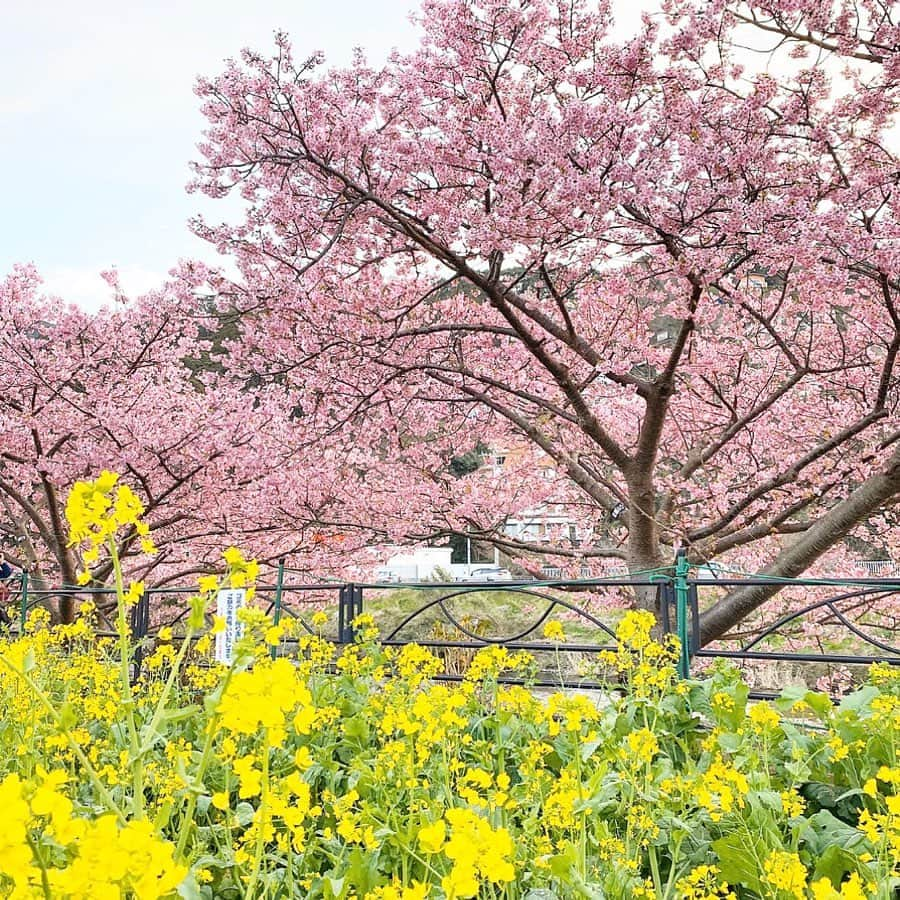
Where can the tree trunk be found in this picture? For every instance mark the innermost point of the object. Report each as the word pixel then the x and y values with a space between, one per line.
pixel 795 559
pixel 644 551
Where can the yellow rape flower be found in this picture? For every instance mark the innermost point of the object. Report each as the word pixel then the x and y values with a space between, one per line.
pixel 703 883
pixel 249 776
pixel 635 628
pixel 233 557
pixel 431 837
pixel 134 593
pixel 763 718
pixel 262 697
pixel 208 583
pixel 792 803
pixel 786 872
pixel 642 745
pixel 852 889
pixel 553 631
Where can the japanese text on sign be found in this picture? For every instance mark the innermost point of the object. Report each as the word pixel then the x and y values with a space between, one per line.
pixel 229 602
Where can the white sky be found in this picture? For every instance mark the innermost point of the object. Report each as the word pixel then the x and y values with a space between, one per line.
pixel 98 120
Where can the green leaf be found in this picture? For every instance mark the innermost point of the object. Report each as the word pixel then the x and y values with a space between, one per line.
pixel 562 864
pixel 180 714
pixel 730 743
pixel 189 889
pixel 823 795
pixel 362 870
pixel 67 717
pixel 161 819
pixel 356 727
pixel 736 860
pixel 765 800
pixel 858 699
pixel 824 830
pixel 834 864
pixel 243 813
pixel 790 695
pixel 849 805
pixel 588 748
pixel 820 704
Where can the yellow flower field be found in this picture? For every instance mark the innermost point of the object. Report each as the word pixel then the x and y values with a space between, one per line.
pixel 355 773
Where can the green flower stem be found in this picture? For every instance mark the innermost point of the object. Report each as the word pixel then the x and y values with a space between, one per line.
pixel 36 852
pixel 205 758
pixel 654 868
pixel 167 689
pixel 134 749
pixel 673 868
pixel 263 812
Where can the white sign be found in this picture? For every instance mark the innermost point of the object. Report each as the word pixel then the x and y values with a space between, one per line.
pixel 228 604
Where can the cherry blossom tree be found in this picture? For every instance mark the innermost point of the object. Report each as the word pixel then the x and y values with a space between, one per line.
pixel 672 274
pixel 140 390
pixel 865 31
pixel 113 390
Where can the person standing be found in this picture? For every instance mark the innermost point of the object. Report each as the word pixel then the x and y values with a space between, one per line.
pixel 6 575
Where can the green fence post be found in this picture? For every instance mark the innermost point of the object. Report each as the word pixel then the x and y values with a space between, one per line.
pixel 682 570
pixel 23 602
pixel 279 587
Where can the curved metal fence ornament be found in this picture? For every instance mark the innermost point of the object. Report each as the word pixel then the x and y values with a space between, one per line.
pixel 483 640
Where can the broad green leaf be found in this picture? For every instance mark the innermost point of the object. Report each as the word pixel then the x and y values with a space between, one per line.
pixel 834 864
pixel 243 813
pixel 736 862
pixel 858 699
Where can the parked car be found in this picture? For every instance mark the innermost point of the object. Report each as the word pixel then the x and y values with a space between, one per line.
pixel 487 573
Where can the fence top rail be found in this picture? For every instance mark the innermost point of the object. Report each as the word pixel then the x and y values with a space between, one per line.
pixel 753 581
pixel 839 658
pixel 375 585
pixel 731 581
pixel 616 581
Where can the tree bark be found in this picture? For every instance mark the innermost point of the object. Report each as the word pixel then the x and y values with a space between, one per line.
pixel 803 552
pixel 643 540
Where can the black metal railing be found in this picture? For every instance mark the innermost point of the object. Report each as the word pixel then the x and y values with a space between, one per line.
pixel 854 614
pixel 826 621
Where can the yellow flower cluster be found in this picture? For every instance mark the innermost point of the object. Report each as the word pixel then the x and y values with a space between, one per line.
pixel 721 789
pixel 491 662
pixel 88 858
pixel 96 510
pixel 786 872
pixel 854 888
pixel 560 805
pixel 478 851
pixel 704 883
pixel 883 828
pixel 265 698
pixel 553 631
pixel 763 719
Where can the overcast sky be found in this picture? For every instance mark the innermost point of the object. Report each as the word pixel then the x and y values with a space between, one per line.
pixel 98 121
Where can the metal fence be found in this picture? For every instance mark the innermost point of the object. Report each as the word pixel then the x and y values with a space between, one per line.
pixel 824 622
pixel 825 627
